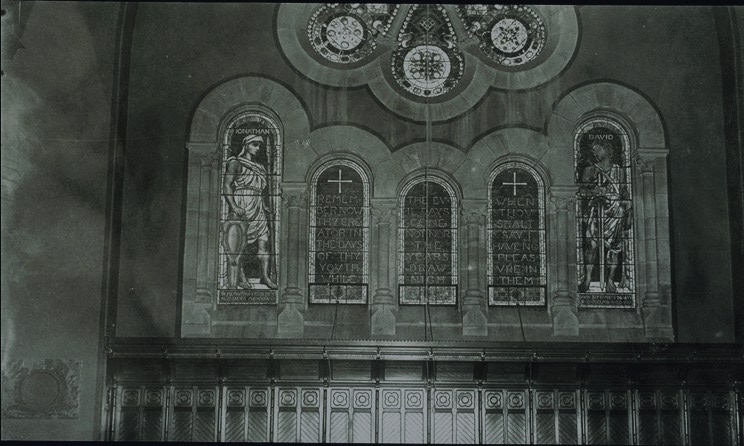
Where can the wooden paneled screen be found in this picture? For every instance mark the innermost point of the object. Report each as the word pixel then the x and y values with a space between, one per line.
pixel 452 402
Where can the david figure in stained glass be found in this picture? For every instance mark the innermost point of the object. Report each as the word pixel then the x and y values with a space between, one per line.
pixel 605 217
pixel 245 183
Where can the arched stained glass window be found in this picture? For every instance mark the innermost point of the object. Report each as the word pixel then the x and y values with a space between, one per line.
pixel 604 216
pixel 516 236
pixel 249 204
pixel 427 243
pixel 339 234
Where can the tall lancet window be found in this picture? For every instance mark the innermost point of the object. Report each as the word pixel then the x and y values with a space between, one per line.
pixel 427 243
pixel 249 205
pixel 516 236
pixel 604 216
pixel 339 234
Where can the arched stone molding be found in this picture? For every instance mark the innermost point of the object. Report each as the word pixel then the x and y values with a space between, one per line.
pixel 523 156
pixel 512 143
pixel 642 116
pixel 442 176
pixel 648 147
pixel 322 160
pixel 358 144
pixel 214 112
pixel 442 159
pixel 214 108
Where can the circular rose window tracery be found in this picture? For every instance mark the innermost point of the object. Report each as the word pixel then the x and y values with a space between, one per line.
pixel 427 61
pixel 345 33
pixel 510 35
pixel 426 67
pixel 327 51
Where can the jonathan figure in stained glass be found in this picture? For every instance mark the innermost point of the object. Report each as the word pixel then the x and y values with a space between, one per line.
pixel 247 222
pixel 607 203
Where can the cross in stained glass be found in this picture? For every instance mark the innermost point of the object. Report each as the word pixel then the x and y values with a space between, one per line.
pixel 339 181
pixel 514 183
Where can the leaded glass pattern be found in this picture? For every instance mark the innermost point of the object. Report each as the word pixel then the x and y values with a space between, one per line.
pixel 345 33
pixel 427 61
pixel 427 243
pixel 604 216
pixel 249 203
pixel 516 236
pixel 510 35
pixel 339 234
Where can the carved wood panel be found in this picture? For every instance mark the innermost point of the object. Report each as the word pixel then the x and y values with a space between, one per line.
pixel 458 413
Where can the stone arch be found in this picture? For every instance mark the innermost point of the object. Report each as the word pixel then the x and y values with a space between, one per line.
pixel 519 144
pixel 441 176
pixel 216 110
pixel 648 145
pixel 632 106
pixel 345 141
pixel 437 156
pixel 221 101
pixel 322 161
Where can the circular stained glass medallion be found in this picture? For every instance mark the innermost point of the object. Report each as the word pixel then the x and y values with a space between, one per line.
pixel 339 37
pixel 426 67
pixel 509 35
pixel 344 33
pixel 516 37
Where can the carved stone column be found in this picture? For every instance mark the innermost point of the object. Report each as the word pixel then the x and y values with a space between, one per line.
pixel 291 319
pixel 198 270
pixel 383 303
pixel 656 306
pixel 205 276
pixel 564 310
pixel 474 320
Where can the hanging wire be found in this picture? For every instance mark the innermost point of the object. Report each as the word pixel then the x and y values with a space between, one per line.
pixel 427 315
pixel 335 315
pixel 521 326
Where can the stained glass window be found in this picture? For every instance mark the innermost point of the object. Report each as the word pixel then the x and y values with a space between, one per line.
pixel 427 61
pixel 510 35
pixel 345 32
pixel 604 216
pixel 516 236
pixel 427 243
pixel 339 234
pixel 249 203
